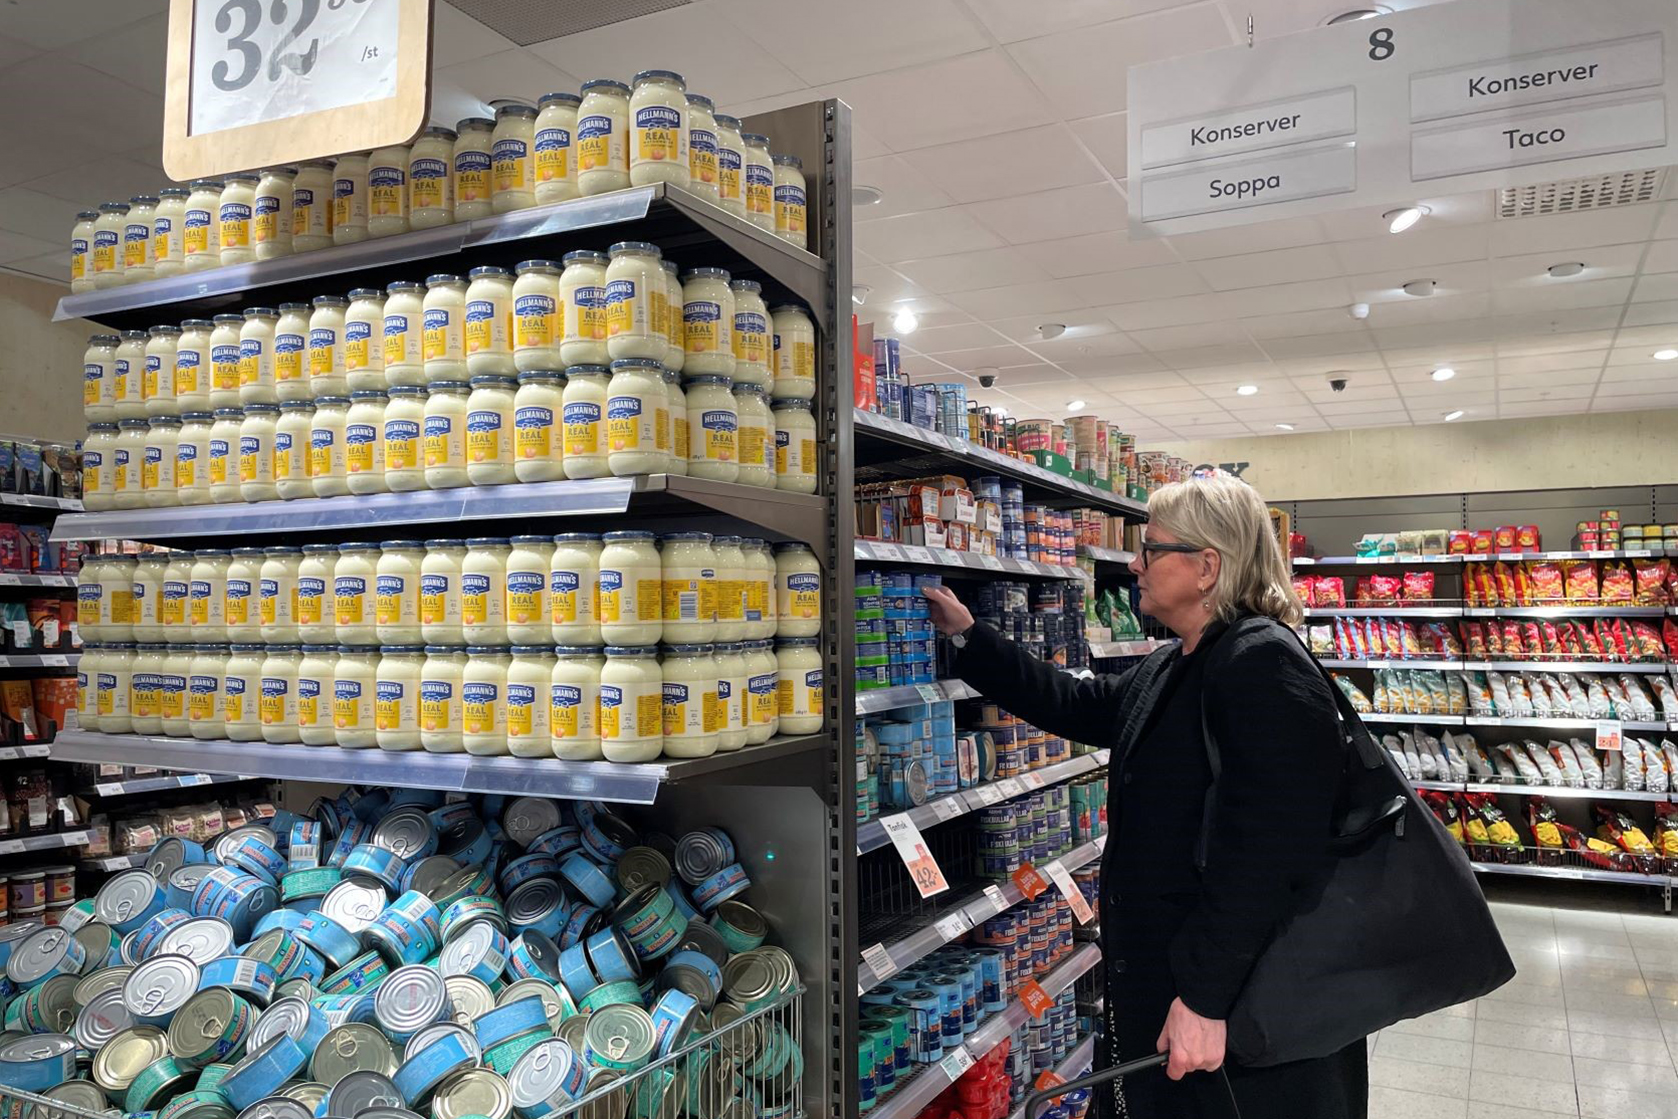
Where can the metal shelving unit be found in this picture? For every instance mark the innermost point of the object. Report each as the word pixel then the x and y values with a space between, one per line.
pixel 1557 724
pixel 19 579
pixel 158 784
pixel 1563 611
pixel 1415 663
pixel 39 660
pixel 1425 720
pixel 911 695
pixel 1663 882
pixel 1657 667
pixel 1395 611
pixel 1130 647
pixel 56 841
pixel 32 750
pixel 880 551
pixel 33 501
pixel 115 863
pixel 1107 555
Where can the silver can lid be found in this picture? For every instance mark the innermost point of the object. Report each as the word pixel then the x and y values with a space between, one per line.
pixel 42 954
pixel 532 902
pixel 289 1016
pixel 277 1107
pixel 160 986
pixel 410 997
pixel 470 997
pixel 405 832
pixel 528 817
pixel 623 1034
pixel 124 895
pixel 201 940
pixel 101 1019
pixel 439 1031
pixel 541 1072
pixel 354 904
pixel 358 1091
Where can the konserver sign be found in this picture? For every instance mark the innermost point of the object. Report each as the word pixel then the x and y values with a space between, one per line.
pixel 1612 67
pixel 1318 116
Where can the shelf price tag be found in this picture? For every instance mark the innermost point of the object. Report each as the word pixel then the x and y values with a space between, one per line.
pixel 997 902
pixel 957 1063
pixel 990 563
pixel 988 794
pixel 883 550
pixel 956 924
pixel 1062 878
pixel 108 790
pixel 1030 882
pixel 929 693
pixel 196 779
pixel 11 847
pixel 1009 788
pixel 1610 734
pixel 919 555
pixel 1049 1078
pixel 9 580
pixel 55 660
pixel 879 962
pixel 946 808
pixel 1035 999
pixel 1101 756
pixel 911 848
pixel 1032 780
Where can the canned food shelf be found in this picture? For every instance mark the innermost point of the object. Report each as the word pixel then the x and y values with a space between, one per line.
pixel 1076 1064
pixel 155 784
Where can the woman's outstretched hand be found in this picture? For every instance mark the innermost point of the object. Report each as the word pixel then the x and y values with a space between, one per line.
pixel 948 614
pixel 1196 1043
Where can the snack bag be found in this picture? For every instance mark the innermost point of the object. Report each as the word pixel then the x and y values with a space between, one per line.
pixel 1541 705
pixel 1642 707
pixel 1328 591
pixel 1546 834
pixel 1589 767
pixel 1613 645
pixel 1479 762
pixel 1578 701
pixel 1417 765
pixel 1443 640
pixel 1650 577
pixel 1601 706
pixel 1546 764
pixel 1502 706
pixel 1383 694
pixel 1590 646
pixel 1460 543
pixel 1551 640
pixel 1441 761
pixel 1548 587
pixel 1594 851
pixel 1321 640
pixel 1456 694
pixel 1655 776
pixel 1439 695
pixel 1505 841
pixel 1356 698
pixel 1475 837
pixel 1613 770
pixel 1532 640
pixel 1489 595
pixel 1446 810
pixel 1617 584
pixel 1520 696
pixel 1633 772
pixel 1581 580
pixel 1361 593
pixel 1385 589
pixel 1504 577
pixel 1408 640
pixel 1666 833
pixel 1523 585
pixel 1669 755
pixel 1303 586
pixel 1570 646
pixel 1615 826
pixel 1648 641
pixel 1566 763
pixel 1421 695
pixel 1619 706
pixel 1525 768
pixel 1512 640
pixel 1400 758
pixel 1455 760
pixel 1666 696
pixel 1474 639
pixel 1418 586
pixel 1669 637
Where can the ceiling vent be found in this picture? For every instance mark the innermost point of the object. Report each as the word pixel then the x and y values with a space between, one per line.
pixel 536 21
pixel 1599 192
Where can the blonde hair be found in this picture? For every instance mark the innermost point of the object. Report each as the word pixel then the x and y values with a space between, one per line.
pixel 1228 516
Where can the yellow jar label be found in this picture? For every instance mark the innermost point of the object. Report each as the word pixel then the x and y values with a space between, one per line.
pixel 358 348
pixel 172 610
pixel 349 600
pixel 235 226
pixel 623 423
pixel 322 352
pixel 731 602
pixel 266 225
pixel 783 691
pixel 484 437
pixel 361 447
pixel 435 336
pixel 171 699
pixel 659 312
pixel 267 606
pixel 202 702
pixel 622 315
pixel 702 326
pixel 320 456
pixel 387 705
pixel 564 711
pixel 434 594
pixel 271 708
pixel 134 252
pixel 188 372
pixel 233 704
pixel 475 600
pixel 553 155
pixel 249 450
pixel 160 244
pixel 472 177
pixel 312 710
pixel 143 696
pixel 533 430
pixel 582 428
pixel 658 134
pixel 386 187
pixel 396 338
pixel 480 703
pixel 288 357
pixel 512 165
pixel 387 601
pixel 311 601
pixel 521 710
pixel 683 443
pixel 757 599
pixel 713 714
pixel 236 603
pixel 250 369
pixel 196 238
pixel 760 193
pixel 444 445
pixel 224 368
pixel 661 426
pixel 525 593
pixel 690 600
pixel 437 705
pixel 346 704
pixel 751 446
pixel 426 180
pixel 534 321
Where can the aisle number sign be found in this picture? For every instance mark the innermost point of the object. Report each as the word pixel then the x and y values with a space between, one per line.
pixel 254 83
pixel 1440 99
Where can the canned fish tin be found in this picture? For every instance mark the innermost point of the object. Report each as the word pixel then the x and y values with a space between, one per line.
pixel 611 994
pixel 477 1092
pixel 587 879
pixel 255 856
pixel 605 837
pixel 694 974
pixel 303 851
pixel 726 884
pixel 127 900
pixel 619 1037
pixel 612 957
pixel 37 1063
pixel 509 1021
pixel 642 866
pixel 288 956
pixel 251 978
pixel 741 927
pixel 673 1018
pixel 504 1056
pixel 121 1060
pixel 479 951
pixel 464 912
pixel 539 906
pixel 213 1026
pixel 556 1000
pixel 750 980
pixel 96 983
pixel 78 915
pixel 149 936
pixel 407 833
pixel 313 882
pixel 400 939
pixel 43 954
pixel 182 884
pixel 467 843
pixel 571 1030
pixel 47 1008
pixel 355 833
pixel 557 842
pixel 656 1096
pixel 351 1048
pixel 992 976
pixel 446 816
pixel 575 970
pixel 11 935
pixel 532 955
pixel 224 844
pixel 526 867
pixel 547 1077
pixel 170 854
pixel 263 1071
pixel 156 1082
pixel 416 1077
pixel 336 944
pixel 363 1093
pixel 354 905
pixel 377 863
pixel 363 973
pixel 425 875
pixel 702 853
pixel 584 922
pixel 82 1094
pixel 101 1019
pixel 645 907
pixel 432 1032
pixel 238 898
pixel 526 818
pixel 157 988
pixel 294 1017
pixel 410 999
pixel 702 938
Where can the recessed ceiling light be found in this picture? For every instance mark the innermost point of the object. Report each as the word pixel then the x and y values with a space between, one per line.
pixel 905 322
pixel 1400 220
pixel 859 293
pixel 1456 415
pixel 1420 287
pixel 1285 427
pixel 866 195
pixel 1051 330
pixel 1443 373
pixel 1074 405
pixel 1565 269
pixel 1665 355
pixel 1246 390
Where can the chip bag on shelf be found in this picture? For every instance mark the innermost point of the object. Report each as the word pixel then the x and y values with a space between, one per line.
pixel 1322 640
pixel 1356 698
pixel 1666 696
pixel 1548 587
pixel 1532 639
pixel 1503 840
pixel 1328 591
pixel 1474 639
pixel 1656 777
pixel 1669 638
pixel 1418 586
pixel 1303 586
pixel 1615 826
pixel 1456 694
pixel 1475 836
pixel 1647 640
pixel 1589 767
pixel 1523 585
pixel 1666 833
pixel 1503 575
pixel 1581 580
pixel 1445 810
pixel 1546 830
pixel 1566 763
pixel 1617 584
pixel 1384 589
pixel 1650 576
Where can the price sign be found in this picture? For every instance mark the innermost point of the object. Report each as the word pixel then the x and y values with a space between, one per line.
pixel 946 808
pixel 1009 788
pixel 1032 780
pixel 1049 1079
pixel 911 848
pixel 997 902
pixel 55 660
pixel 8 580
pixel 990 563
pixel 957 1063
pixel 1610 734
pixel 879 962
pixel 1062 878
pixel 929 693
pixel 1030 882
pixel 11 847
pixel 887 551
pixel 956 924
pixel 988 794
pixel 196 779
pixel 8 754
pixel 259 82
pixel 1101 756
pixel 919 555
pixel 1035 999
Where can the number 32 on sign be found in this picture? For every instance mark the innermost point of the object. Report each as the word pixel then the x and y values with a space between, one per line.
pixel 260 82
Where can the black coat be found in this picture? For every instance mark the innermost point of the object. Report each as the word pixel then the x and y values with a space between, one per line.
pixel 1169 931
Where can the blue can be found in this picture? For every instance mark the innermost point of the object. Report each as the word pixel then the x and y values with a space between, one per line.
pixel 335 944
pixel 612 958
pixel 557 842
pixel 577 924
pixel 992 972
pixel 575 971
pixel 304 850
pixel 699 962
pixel 37 1063
pixel 451 815
pixel 419 1074
pixel 526 867
pixel 398 939
pixel 252 978
pixel 128 900
pixel 257 858
pixel 679 897
pixel 354 833
pixel 287 920
pixel 149 934
pixel 533 955
pixel 673 1015
pixel 238 898
pixel 505 1023
pixel 728 883
pixel 261 1073
pixel 377 863
pixel 950 1003
pixel 588 879
pixel 605 836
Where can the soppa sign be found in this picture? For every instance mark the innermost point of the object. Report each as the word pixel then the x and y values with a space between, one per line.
pixel 255 83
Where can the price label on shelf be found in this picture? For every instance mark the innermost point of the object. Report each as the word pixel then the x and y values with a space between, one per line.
pixel 957 1063
pixel 988 794
pixel 919 555
pixel 1610 734
pixel 1032 780
pixel 1009 788
pixel 11 847
pixel 956 924
pixel 8 753
pixel 1049 1078
pixel 911 848
pixel 1062 878
pixel 1638 553
pixel 108 790
pixel 886 551
pixel 9 580
pixel 1030 882
pixel 946 808
pixel 990 563
pixel 55 660
pixel 879 962
pixel 1035 999
pixel 1101 756
pixel 196 779
pixel 929 693
pixel 997 902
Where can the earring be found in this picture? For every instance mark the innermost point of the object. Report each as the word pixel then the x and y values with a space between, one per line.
pixel 1205 603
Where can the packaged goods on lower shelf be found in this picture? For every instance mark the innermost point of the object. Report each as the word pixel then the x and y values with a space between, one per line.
pixel 36 893
pixel 1605 838
pixel 464 958
pixel 26 550
pixel 40 469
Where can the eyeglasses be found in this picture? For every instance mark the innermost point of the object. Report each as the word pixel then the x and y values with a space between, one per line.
pixel 1149 549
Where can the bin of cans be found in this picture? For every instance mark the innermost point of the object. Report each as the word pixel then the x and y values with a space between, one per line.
pixel 492 957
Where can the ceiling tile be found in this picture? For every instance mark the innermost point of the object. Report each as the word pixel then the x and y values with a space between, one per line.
pixel 1279 266
pixel 1562 295
pixel 86 104
pixel 1180 337
pixel 1634 403
pixel 1336 349
pixel 1047 299
pixel 1083 328
pixel 1227 354
pixel 1081 70
pixel 1090 253
pixel 1567 407
pixel 1601 263
pixel 1618 225
pixel 1041 374
pixel 1260 237
pixel 1107 138
pixel 1147 314
pixel 1038 159
pixel 824 42
pixel 28 211
pixel 1011 21
pixel 1661 287
pixel 904 190
pixel 1663 257
pixel 1102 366
pixel 958 99
pixel 1302 322
pixel 943 339
pixel 466 88
pixel 1550 365
pixel 17 246
pixel 1051 214
pixel 457 37
pixel 1647 314
pixel 1415 248
pixel 134 54
pixel 917 236
pixel 1160 282
pixel 54 266
pixel 50 26
pixel 987 268
pixel 1368 419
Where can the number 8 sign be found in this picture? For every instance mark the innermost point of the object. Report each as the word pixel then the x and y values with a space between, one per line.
pixel 254 83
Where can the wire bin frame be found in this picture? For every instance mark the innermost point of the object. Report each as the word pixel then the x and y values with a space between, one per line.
pixel 15 1103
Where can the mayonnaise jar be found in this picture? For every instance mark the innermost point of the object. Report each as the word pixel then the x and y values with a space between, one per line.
pixel 759 572
pixel 200 240
pixel 634 435
pixel 529 602
pixel 801 688
pixel 291 353
pixel 256 356
pixel 731 588
pixel 113 686
pixel 224 455
pixel 582 291
pixel 90 597
pixel 631 589
pixel 293 450
pixel 431 185
pixel 87 684
pixel 192 459
pixel 364 446
pixel 207 594
pixel 99 467
pixel 635 303
pixel 702 146
pixel 537 316
pixel 688 572
pixel 146 606
pixel 489 431
pixel 489 322
pixel 732 683
pixel 127 491
pixel 147 387
pixel 99 379
pixel 192 366
pixel 364 350
pixel 713 428
pixel 144 707
pixel 107 244
pixel 673 424
pixel 483 701
pixel 233 219
pixel 439 689
pixel 81 251
pixel 128 383
pixel 474 168
pixel 753 345
pixel 315 618
pixel 798 591
pixel 354 681
pixel 515 169
pixel 172 702
pixel 445 435
pixel 791 209
pixel 760 181
pixel 795 353
pixel 311 207
pixel 755 439
pixel 314 694
pixel 675 357
pixel 795 446
pixel 444 321
pixel 602 137
pixel 556 129
pixel 241 696
pixel 690 700
pixel 349 201
pixel 483 590
pixel 157 465
pixel 763 681
pixel 396 697
pixel 658 135
pixel 631 704
pixel 271 225
pixel 328 463
pixel 403 333
pixel 538 434
pixel 224 361
pixel 387 191
pixel 173 609
pixel 168 244
pixel 116 603
pixel 396 601
pixel 138 263
pixel 256 453
pixel 326 346
pixel 404 441
pixel 574 588
pixel 242 608
pixel 278 705
pixel 354 607
pixel 528 702
pixel 574 702
pixel 276 592
pixel 584 422
pixel 440 592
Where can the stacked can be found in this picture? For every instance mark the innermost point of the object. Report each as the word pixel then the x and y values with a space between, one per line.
pixel 479 957
pixel 867 766
pixel 873 662
pixel 1030 829
pixel 1030 937
pixel 1043 1045
pixel 889 379
pixel 1089 806
pixel 894 619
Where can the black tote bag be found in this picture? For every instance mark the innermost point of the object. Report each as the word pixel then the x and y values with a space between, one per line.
pixel 1397 928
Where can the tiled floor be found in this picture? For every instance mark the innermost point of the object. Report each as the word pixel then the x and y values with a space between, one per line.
pixel 1589 1026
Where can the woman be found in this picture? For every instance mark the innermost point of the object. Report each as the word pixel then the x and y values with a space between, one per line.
pixel 1178 942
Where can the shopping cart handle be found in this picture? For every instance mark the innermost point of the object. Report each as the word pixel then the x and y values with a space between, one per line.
pixel 1037 1099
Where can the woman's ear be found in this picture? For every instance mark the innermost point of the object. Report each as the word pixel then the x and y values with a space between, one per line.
pixel 1211 563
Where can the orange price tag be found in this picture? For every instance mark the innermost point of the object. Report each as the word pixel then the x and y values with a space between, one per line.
pixel 1030 883
pixel 1049 1079
pixel 1035 999
pixel 922 866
